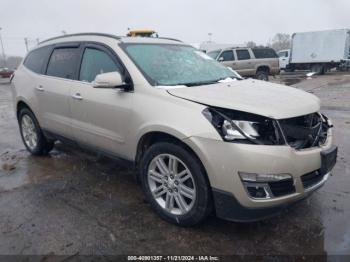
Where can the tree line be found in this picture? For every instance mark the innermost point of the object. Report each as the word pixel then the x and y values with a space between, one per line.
pixel 279 42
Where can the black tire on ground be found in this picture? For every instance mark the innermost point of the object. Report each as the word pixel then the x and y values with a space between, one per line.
pixel 318 69
pixel 290 69
pixel 262 75
pixel 43 145
pixel 202 206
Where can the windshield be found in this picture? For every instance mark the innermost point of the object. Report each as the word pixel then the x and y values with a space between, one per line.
pixel 168 64
pixel 213 54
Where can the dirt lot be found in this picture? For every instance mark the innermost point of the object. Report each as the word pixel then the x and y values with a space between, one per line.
pixel 72 202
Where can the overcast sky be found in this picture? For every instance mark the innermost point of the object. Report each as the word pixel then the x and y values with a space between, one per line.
pixel 230 21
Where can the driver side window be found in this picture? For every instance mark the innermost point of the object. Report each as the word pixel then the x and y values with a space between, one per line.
pixel 227 56
pixel 96 62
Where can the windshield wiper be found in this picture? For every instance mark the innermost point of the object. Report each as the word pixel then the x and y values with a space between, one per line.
pixel 208 82
pixel 198 83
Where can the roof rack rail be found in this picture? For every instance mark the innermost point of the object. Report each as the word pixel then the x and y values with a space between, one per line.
pixel 168 38
pixel 238 47
pixel 81 34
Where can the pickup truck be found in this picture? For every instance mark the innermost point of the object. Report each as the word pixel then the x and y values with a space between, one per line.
pixel 256 62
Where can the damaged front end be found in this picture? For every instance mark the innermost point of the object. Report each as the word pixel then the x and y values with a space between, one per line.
pixel 241 127
pixel 305 131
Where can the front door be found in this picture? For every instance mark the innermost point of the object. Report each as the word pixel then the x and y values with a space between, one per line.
pixel 99 115
pixel 283 59
pixel 228 59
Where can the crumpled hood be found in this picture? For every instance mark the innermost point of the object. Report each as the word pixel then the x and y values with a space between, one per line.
pixel 253 96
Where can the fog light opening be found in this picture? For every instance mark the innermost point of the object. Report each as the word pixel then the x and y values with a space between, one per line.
pixel 259 191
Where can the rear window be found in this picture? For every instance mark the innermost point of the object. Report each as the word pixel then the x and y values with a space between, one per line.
pixel 36 59
pixel 63 63
pixel 243 54
pixel 264 53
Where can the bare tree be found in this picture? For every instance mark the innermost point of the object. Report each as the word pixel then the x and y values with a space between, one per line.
pixel 12 62
pixel 280 41
pixel 250 44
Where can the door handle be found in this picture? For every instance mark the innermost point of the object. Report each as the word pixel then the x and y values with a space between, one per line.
pixel 77 96
pixel 40 88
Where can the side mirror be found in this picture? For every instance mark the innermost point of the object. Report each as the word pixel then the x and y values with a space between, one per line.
pixel 221 59
pixel 108 80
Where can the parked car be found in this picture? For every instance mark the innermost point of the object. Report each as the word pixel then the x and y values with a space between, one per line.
pixel 202 138
pixel 256 62
pixel 5 73
pixel 320 51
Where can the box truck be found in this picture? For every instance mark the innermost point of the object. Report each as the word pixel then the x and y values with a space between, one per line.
pixel 318 51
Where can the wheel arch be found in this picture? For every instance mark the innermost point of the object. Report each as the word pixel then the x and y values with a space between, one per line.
pixel 150 138
pixel 264 68
pixel 20 104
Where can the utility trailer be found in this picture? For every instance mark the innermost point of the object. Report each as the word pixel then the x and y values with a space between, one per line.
pixel 320 51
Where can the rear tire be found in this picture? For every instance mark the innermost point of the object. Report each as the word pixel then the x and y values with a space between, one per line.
pixel 32 135
pixel 180 201
pixel 318 69
pixel 262 75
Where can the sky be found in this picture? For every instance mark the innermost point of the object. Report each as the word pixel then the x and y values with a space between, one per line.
pixel 229 21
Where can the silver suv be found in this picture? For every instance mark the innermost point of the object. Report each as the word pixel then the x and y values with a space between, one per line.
pixel 258 62
pixel 202 138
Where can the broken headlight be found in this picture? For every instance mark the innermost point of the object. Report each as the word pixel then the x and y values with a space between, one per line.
pixel 242 127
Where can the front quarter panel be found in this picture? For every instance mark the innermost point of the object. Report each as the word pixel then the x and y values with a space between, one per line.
pixel 158 111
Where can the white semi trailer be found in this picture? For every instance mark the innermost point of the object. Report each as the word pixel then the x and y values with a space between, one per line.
pixel 320 51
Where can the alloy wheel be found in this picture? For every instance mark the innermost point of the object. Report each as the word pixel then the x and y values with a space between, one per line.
pixel 171 184
pixel 29 133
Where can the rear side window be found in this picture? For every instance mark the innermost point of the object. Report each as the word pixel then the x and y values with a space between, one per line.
pixel 63 62
pixel 243 54
pixel 36 59
pixel 96 62
pixel 227 56
pixel 264 53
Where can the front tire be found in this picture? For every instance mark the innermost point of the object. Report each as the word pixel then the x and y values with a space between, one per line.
pixel 175 184
pixel 32 135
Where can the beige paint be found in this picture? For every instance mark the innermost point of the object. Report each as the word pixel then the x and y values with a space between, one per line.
pixel 114 121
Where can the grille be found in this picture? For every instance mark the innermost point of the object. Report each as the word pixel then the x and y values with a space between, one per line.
pixel 282 188
pixel 305 131
pixel 311 179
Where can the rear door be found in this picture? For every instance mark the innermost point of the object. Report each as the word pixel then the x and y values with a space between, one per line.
pixel 243 63
pixel 55 88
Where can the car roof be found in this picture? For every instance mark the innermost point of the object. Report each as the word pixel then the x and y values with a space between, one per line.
pixel 121 39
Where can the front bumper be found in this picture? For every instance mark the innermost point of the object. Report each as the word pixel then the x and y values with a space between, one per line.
pixel 227 207
pixel 223 161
